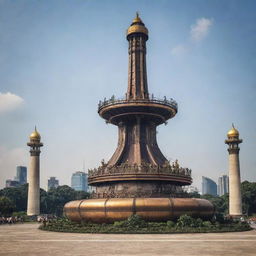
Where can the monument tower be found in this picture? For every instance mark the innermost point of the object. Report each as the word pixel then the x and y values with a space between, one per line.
pixel 137 167
pixel 137 179
pixel 34 174
pixel 235 201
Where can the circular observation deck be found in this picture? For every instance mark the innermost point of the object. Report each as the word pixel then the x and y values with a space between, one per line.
pixel 175 179
pixel 178 176
pixel 156 110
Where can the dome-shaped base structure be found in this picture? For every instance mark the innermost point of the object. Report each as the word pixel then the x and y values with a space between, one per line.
pixel 151 209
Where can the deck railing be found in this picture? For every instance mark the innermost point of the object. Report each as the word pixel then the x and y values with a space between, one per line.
pixel 142 169
pixel 113 101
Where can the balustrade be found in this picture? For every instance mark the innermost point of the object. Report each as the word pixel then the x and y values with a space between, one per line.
pixel 139 169
pixel 112 101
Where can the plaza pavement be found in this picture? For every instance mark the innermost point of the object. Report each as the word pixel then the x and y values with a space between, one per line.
pixel 26 239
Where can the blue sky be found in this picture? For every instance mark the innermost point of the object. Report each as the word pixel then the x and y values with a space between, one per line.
pixel 59 58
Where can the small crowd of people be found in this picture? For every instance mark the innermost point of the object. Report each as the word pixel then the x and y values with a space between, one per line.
pixel 11 220
pixel 252 220
pixel 20 219
pixel 45 218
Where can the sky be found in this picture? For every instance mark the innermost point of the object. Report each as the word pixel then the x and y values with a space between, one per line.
pixel 59 58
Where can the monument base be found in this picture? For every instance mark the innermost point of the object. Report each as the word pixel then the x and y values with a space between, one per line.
pixel 109 210
pixel 236 216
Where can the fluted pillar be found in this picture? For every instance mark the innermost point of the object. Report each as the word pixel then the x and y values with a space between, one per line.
pixel 235 205
pixel 34 175
pixel 235 199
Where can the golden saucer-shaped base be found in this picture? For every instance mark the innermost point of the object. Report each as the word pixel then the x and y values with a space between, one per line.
pixel 151 209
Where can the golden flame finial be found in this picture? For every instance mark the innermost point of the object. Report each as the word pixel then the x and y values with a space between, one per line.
pixel 137 18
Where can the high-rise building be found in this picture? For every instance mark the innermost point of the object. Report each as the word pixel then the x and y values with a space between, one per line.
pixel 21 175
pixel 223 185
pixel 11 183
pixel 209 186
pixel 53 183
pixel 79 181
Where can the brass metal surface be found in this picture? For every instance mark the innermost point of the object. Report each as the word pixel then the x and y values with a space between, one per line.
pixel 137 26
pixel 233 132
pixel 35 135
pixel 151 209
pixel 137 29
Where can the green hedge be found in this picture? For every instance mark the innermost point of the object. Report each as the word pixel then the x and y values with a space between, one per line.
pixel 135 225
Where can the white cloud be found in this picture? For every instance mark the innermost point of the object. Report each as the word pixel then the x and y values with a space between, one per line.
pixel 178 50
pixel 9 102
pixel 199 30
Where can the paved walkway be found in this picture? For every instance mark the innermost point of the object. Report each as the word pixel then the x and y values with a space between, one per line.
pixel 26 239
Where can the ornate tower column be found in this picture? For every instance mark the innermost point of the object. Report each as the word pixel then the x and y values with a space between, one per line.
pixel 135 168
pixel 137 35
pixel 34 174
pixel 235 201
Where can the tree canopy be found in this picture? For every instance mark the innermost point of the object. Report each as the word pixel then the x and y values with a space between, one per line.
pixel 51 202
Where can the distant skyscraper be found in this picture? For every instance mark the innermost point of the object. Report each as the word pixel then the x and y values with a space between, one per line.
pixel 21 175
pixel 223 185
pixel 11 183
pixel 53 183
pixel 79 181
pixel 209 186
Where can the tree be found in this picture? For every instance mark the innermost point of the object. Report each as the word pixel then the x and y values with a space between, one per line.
pixel 194 194
pixel 82 195
pixel 56 198
pixel 51 202
pixel 248 190
pixel 219 202
pixel 18 196
pixel 6 206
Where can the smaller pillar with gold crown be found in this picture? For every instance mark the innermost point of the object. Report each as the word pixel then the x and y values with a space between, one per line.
pixel 235 201
pixel 34 174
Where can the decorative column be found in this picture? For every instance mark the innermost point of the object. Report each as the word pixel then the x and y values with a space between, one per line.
pixel 34 174
pixel 235 201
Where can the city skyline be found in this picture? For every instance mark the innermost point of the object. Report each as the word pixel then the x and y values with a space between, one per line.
pixel 79 181
pixel 56 69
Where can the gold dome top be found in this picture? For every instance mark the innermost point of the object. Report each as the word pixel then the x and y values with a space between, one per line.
pixel 137 26
pixel 35 135
pixel 137 18
pixel 233 132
